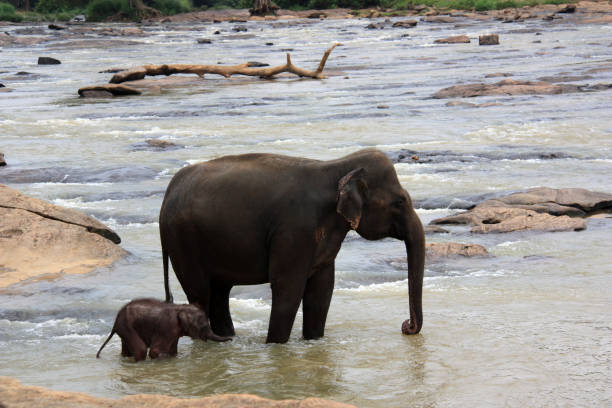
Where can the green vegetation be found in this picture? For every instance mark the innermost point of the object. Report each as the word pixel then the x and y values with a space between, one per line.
pixel 170 7
pixel 99 10
pixel 7 13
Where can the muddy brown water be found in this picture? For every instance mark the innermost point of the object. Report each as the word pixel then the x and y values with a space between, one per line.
pixel 528 326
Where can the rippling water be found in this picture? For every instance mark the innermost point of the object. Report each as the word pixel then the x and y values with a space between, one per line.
pixel 528 326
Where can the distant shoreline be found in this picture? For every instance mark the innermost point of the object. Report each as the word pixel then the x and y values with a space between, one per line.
pixel 597 11
pixel 593 11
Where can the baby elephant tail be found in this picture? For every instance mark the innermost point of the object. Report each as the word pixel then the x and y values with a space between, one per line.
pixel 107 340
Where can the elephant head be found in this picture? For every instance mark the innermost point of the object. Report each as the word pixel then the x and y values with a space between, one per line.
pixel 194 323
pixel 372 201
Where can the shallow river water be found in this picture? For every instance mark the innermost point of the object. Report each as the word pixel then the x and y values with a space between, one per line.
pixel 529 325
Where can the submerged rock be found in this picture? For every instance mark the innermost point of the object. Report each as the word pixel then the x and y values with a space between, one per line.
pixel 458 39
pixel 434 229
pixel 156 145
pixel 539 208
pixel 488 39
pixel 447 156
pixel 405 24
pixel 439 19
pixel 39 238
pixel 48 61
pixel 510 87
pixel 15 395
pixel 504 219
pixel 435 250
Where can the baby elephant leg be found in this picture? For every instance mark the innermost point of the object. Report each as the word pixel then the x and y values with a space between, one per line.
pixel 162 348
pixel 135 346
pixel 125 350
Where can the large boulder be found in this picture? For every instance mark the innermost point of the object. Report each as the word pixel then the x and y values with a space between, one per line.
pixel 38 238
pixel 15 395
pixel 2 161
pixel 539 208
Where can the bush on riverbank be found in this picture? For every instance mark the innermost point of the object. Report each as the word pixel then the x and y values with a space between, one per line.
pixel 99 10
pixel 171 7
pixel 7 13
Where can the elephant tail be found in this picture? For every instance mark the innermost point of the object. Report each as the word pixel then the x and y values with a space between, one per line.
pixel 169 298
pixel 107 340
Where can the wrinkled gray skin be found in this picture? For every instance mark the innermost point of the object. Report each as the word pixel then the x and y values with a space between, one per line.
pixel 150 323
pixel 257 218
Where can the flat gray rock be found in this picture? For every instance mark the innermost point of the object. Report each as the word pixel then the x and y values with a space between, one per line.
pixel 539 208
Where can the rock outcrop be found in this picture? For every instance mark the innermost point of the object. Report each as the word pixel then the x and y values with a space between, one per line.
pixel 437 250
pixel 13 394
pixel 510 87
pixel 488 39
pixel 38 238
pixel 539 208
pixel 458 39
pixel 2 161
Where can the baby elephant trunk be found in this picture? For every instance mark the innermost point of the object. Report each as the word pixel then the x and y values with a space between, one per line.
pixel 209 334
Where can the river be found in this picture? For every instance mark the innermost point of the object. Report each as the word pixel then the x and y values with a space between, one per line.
pixel 527 326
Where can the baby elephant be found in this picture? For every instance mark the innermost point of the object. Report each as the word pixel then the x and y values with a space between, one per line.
pixel 150 323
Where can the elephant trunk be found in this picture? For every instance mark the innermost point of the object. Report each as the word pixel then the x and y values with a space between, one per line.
pixel 210 335
pixel 415 252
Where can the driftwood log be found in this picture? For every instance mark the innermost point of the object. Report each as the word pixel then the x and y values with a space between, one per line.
pixel 226 71
pixel 116 88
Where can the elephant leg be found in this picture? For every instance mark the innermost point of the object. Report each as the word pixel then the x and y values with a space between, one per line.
pixel 285 304
pixel 219 313
pixel 136 346
pixel 163 347
pixel 290 262
pixel 125 350
pixel 317 297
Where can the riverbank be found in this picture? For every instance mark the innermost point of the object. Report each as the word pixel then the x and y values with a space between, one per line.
pixel 597 11
pixel 13 394
pixel 590 11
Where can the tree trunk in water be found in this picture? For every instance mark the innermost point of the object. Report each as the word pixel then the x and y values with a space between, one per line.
pixel 263 8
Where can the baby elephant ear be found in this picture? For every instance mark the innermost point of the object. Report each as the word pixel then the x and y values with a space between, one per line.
pixel 352 189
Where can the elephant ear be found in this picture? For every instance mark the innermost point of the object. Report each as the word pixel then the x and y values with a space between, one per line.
pixel 186 321
pixel 352 189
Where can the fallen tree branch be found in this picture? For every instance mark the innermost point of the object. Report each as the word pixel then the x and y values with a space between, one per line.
pixel 226 71
pixel 114 89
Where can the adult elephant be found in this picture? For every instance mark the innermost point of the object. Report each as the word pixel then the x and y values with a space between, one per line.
pixel 257 218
